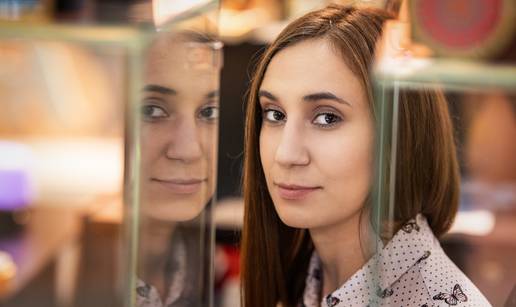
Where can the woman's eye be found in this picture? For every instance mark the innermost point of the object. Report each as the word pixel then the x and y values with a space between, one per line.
pixel 152 112
pixel 273 115
pixel 209 113
pixel 327 119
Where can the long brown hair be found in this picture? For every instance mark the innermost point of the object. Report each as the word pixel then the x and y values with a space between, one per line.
pixel 275 256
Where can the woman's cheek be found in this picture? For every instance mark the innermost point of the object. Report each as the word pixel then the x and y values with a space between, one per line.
pixel 266 149
pixel 345 157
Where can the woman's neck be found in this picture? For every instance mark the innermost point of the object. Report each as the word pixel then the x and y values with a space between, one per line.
pixel 343 249
pixel 154 249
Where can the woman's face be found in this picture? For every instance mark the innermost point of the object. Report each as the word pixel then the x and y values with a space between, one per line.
pixel 179 114
pixel 316 139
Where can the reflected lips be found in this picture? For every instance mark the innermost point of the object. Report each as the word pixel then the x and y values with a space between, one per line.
pixel 181 186
pixel 294 192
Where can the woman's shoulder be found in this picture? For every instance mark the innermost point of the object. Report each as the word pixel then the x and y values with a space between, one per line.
pixel 411 270
pixel 444 283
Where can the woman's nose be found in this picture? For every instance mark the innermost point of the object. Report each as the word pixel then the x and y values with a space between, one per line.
pixel 185 143
pixel 291 150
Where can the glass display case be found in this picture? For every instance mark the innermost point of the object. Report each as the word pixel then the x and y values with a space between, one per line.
pixel 421 100
pixel 176 163
pixel 109 150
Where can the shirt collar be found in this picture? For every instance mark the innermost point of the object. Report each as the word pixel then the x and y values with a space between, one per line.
pixel 408 247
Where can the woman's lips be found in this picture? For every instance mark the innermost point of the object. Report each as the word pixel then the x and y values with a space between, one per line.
pixel 295 192
pixel 181 186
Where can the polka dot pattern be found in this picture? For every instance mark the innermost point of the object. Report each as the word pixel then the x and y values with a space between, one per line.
pixel 411 270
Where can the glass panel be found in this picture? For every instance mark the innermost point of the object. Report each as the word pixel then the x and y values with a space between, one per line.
pixel 88 110
pixel 61 132
pixel 446 144
pixel 177 141
pixel 62 148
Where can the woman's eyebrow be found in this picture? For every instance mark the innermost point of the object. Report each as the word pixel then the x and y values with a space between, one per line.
pixel 213 94
pixel 159 89
pixel 325 96
pixel 266 94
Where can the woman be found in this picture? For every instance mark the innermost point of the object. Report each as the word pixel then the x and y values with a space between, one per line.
pixel 308 173
pixel 179 127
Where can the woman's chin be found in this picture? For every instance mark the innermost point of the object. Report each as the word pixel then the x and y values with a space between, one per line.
pixel 310 215
pixel 296 218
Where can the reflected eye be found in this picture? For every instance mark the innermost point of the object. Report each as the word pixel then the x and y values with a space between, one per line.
pixel 273 116
pixel 209 113
pixel 152 112
pixel 327 119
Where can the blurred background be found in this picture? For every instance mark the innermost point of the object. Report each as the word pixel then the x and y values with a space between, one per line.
pixel 66 131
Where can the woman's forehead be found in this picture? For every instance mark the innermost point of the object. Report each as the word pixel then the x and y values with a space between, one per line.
pixel 167 65
pixel 311 65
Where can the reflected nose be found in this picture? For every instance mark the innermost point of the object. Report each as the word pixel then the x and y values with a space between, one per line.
pixel 291 150
pixel 185 143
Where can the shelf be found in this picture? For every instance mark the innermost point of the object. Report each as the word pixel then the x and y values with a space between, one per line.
pixel 447 73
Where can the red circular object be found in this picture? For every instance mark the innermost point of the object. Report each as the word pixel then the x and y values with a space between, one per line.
pixel 459 23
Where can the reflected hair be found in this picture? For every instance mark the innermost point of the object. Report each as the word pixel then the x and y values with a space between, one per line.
pixel 275 256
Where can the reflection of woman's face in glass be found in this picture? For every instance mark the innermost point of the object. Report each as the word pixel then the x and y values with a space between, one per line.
pixel 179 114
pixel 316 139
